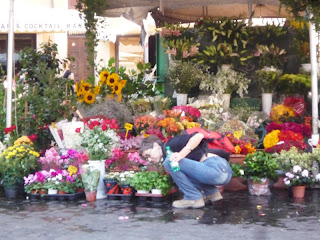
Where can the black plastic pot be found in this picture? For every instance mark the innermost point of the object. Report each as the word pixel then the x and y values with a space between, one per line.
pixel 11 192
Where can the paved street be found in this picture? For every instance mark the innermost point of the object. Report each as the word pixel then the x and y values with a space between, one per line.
pixel 237 216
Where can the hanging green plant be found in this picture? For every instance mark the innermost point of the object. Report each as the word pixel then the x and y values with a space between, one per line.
pixel 297 7
pixel 90 10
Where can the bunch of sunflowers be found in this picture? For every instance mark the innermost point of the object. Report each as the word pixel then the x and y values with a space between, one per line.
pixel 110 84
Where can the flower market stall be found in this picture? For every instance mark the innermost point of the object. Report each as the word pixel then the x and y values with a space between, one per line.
pixel 73 140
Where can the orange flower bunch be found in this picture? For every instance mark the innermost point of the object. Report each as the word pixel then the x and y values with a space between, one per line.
pixel 144 122
pixel 172 113
pixel 165 122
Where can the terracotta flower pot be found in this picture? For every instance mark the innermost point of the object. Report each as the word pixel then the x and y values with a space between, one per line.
pixel 298 191
pixel 236 184
pixel 279 184
pixel 80 190
pixel 237 158
pixel 42 191
pixel 91 196
pixel 61 192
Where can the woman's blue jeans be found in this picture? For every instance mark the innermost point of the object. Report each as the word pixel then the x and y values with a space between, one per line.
pixel 195 178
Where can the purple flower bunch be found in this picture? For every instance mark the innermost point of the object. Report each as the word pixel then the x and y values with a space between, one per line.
pixel 131 143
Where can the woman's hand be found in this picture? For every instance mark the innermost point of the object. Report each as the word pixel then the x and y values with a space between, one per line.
pixel 175 157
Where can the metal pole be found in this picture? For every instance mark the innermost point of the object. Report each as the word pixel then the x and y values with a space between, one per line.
pixel 314 82
pixel 10 65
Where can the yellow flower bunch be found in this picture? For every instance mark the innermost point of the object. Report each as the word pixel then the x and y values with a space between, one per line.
pixel 23 139
pixel 271 139
pixel 112 82
pixel 281 111
pixel 19 151
pixel 299 24
pixel 86 92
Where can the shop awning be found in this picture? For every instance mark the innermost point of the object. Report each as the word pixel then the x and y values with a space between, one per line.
pixel 174 11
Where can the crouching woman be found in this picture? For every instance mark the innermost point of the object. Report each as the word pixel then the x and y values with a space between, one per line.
pixel 200 170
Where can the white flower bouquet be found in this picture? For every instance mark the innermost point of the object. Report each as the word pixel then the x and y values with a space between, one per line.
pixel 99 143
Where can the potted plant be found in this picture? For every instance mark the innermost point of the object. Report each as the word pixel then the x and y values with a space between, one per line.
pixel 267 79
pixel 90 178
pixel 124 180
pixel 185 75
pixel 259 168
pixel 237 181
pixel 269 55
pixel 162 183
pixel 294 84
pixel 298 179
pixel 99 139
pixel 15 163
pixel 141 182
pixel 226 82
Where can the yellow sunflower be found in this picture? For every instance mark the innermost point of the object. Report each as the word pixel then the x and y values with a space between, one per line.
pixel 113 79
pixel 96 90
pixel 86 87
pixel 117 88
pixel 103 76
pixel 89 98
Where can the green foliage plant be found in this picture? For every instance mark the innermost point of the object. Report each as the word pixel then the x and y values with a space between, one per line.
pixel 268 79
pixel 266 35
pixel 260 165
pixel 163 182
pixel 288 159
pixel 294 83
pixel 143 181
pixel 237 170
pixel 186 75
pixel 90 178
pixel 226 81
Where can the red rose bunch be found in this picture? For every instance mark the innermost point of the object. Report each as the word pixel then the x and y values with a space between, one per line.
pixel 286 145
pixel 10 129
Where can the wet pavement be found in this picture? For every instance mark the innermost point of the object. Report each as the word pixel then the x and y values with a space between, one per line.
pixel 238 216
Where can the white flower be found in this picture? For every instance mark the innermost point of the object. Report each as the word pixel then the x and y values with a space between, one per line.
pixel 305 173
pixel 56 182
pixel 287 182
pixel 54 178
pixel 296 169
pixel 241 172
pixel 289 175
pixel 318 177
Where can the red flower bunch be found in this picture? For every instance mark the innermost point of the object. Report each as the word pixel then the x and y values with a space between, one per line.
pixel 286 145
pixel 297 104
pixel 157 132
pixel 10 129
pixel 104 123
pixel 188 110
pixel 302 129
pixel 33 137
pixel 290 135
